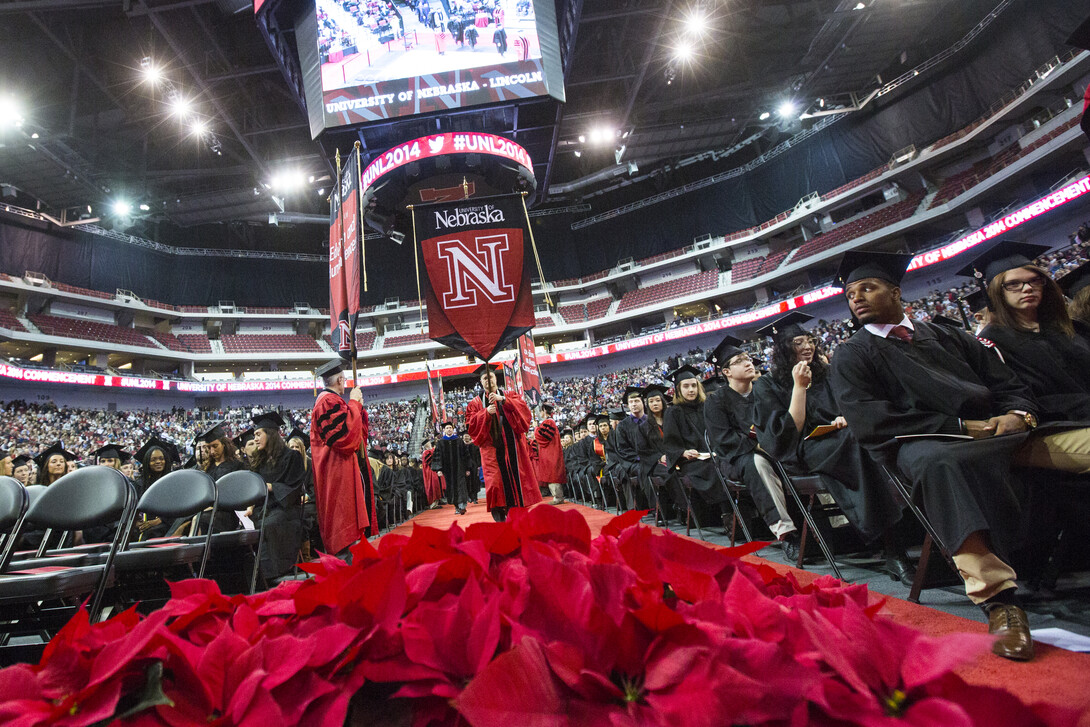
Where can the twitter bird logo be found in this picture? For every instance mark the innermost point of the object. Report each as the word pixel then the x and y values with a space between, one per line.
pixel 435 145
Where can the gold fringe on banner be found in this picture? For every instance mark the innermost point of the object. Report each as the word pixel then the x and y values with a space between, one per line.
pixel 540 273
pixel 359 222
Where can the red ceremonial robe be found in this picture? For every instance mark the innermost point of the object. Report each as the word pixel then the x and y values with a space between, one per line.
pixel 344 495
pixel 550 457
pixel 509 478
pixel 433 485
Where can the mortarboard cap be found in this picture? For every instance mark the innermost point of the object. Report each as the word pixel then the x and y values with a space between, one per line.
pixel 617 414
pixel 210 435
pixel 1075 280
pixel 21 460
pixel 268 420
pixel 727 349
pixel 601 419
pixel 630 390
pixel 444 424
pixel 786 325
pixel 297 433
pixel 586 420
pixel 567 431
pixel 494 368
pixel 685 372
pixel 1003 256
pixel 242 438
pixel 860 264
pixel 548 405
pixel 977 300
pixel 111 451
pixel 330 368
pixel 713 383
pixel 56 448
pixel 655 390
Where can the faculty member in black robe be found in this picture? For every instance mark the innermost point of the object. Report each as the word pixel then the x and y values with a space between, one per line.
pixel 790 404
pixel 282 470
pixel 452 460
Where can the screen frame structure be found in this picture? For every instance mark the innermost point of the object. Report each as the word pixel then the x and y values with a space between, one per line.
pixel 322 119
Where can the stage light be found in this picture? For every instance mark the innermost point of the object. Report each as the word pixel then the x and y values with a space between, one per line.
pixel 122 207
pixel 321 192
pixel 311 179
pixel 787 108
pixel 200 126
pixel 860 6
pixel 578 153
pixel 144 207
pixel 34 135
pixel 287 181
pixel 764 116
pixel 602 135
pixel 582 138
pixel 152 73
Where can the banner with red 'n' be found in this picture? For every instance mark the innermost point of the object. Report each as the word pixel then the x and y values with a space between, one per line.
pixel 477 271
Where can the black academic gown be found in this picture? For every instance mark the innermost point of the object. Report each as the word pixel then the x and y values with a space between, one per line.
pixel 888 388
pixel 652 449
pixel 284 514
pixel 730 417
pixel 683 428
pixel 625 449
pixel 311 531
pixel 452 459
pixel 593 463
pixel 1054 366
pixel 855 480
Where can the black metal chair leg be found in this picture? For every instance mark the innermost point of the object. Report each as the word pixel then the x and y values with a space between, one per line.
pixel 809 517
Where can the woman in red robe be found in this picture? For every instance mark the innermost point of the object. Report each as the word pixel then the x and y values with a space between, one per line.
pixel 498 421
pixel 345 496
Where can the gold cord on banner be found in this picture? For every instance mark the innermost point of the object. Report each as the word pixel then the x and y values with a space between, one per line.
pixel 540 273
pixel 416 265
pixel 359 222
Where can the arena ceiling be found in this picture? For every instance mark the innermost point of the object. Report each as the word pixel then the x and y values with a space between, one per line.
pixel 94 132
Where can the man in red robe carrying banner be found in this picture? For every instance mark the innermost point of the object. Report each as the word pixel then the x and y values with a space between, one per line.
pixel 345 495
pixel 497 421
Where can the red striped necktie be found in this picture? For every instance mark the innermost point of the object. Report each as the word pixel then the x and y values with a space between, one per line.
pixel 902 332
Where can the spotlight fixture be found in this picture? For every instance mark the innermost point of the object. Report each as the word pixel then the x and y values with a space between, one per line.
pixel 582 138
pixel 684 51
pixel 696 22
pixel 787 108
pixel 181 106
pixel 200 127
pixel 122 207
pixel 11 112
pixel 764 116
pixel 578 153
pixel 144 207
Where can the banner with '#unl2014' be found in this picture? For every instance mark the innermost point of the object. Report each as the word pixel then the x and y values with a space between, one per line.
pixel 477 264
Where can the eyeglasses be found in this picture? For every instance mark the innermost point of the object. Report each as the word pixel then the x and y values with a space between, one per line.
pixel 1015 286
pixel 740 359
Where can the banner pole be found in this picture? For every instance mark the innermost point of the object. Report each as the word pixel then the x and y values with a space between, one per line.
pixel 416 265
pixel 359 224
pixel 540 273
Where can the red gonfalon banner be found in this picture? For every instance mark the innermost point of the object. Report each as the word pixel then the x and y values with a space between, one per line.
pixel 339 327
pixel 477 268
pixel 529 373
pixel 344 260
pixel 350 224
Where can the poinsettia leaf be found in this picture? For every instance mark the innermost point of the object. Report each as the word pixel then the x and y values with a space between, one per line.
pixel 516 688
pixel 630 518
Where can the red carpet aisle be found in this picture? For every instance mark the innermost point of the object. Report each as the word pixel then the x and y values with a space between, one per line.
pixel 1056 676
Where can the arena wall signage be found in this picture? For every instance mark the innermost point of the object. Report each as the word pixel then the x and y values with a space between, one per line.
pixel 1070 192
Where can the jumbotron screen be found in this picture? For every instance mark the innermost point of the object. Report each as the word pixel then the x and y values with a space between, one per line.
pixel 380 60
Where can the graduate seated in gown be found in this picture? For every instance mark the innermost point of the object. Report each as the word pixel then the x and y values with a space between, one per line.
pixel 942 409
pixel 282 470
pixel 800 424
pixel 661 481
pixel 625 464
pixel 728 415
pixel 687 453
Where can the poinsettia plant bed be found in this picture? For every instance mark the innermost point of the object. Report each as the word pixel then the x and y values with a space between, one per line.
pixel 524 623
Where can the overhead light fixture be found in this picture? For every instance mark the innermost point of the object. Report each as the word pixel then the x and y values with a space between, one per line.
pixel 122 207
pixel 200 126
pixel 602 135
pixel 321 192
pixel 144 207
pixel 764 116
pixel 150 70
pixel 34 135
pixel 578 153
pixel 181 106
pixel 684 51
pixel 582 138
pixel 696 22
pixel 787 108
pixel 860 6
pixel 11 112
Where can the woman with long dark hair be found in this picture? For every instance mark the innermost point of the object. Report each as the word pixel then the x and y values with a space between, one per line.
pixel 282 469
pixel 156 459
pixel 52 464
pixel 652 447
pixel 1030 326
pixel 222 459
pixel 799 423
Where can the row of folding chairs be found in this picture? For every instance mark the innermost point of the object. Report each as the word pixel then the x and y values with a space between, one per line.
pixel 40 589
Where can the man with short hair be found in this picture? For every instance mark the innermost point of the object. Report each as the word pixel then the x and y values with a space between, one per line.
pixel 450 458
pixel 344 490
pixel 728 415
pixel 942 409
pixel 624 460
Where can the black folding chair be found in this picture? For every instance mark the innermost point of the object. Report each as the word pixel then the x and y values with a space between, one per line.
pixel 82 499
pixel 14 502
pixel 811 486
pixel 616 492
pixel 731 489
pixel 931 538
pixel 238 491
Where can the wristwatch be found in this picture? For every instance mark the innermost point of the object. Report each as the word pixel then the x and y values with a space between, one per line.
pixel 1028 418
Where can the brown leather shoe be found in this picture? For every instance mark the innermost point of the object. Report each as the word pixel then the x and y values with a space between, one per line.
pixel 1010 624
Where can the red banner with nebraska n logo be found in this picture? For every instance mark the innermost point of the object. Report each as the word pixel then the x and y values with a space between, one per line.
pixel 477 267
pixel 344 259
pixel 529 373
